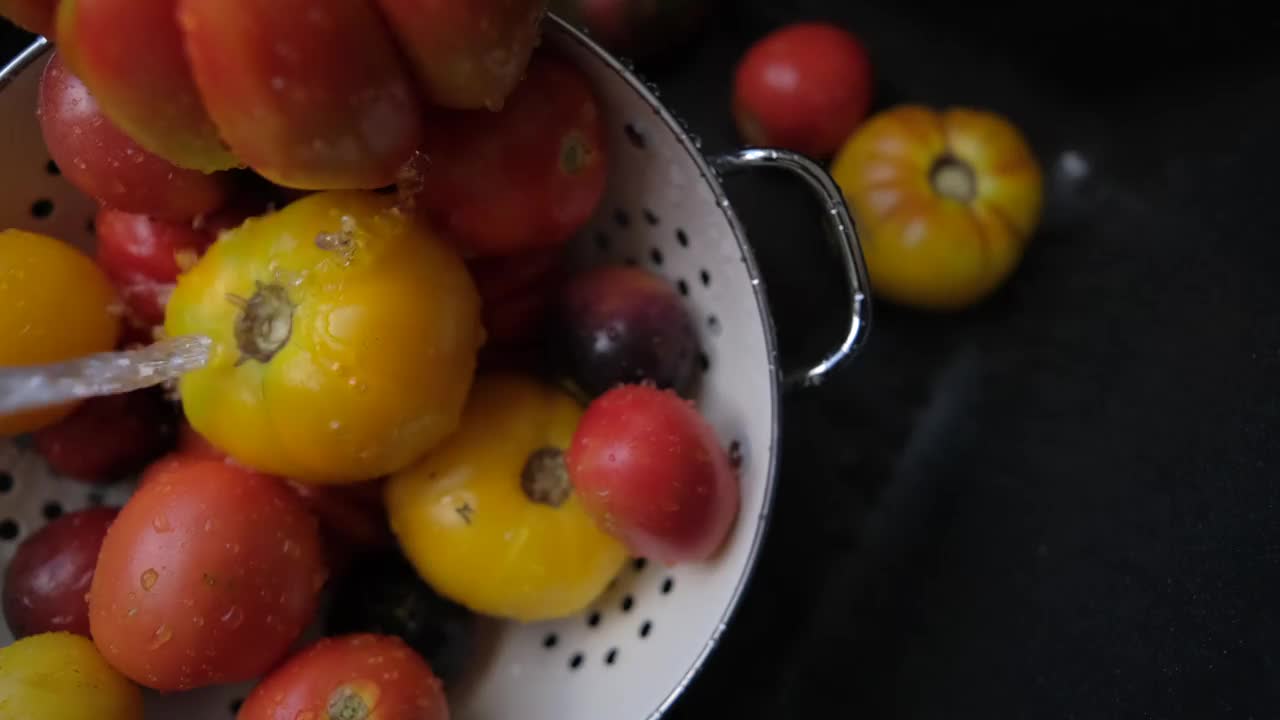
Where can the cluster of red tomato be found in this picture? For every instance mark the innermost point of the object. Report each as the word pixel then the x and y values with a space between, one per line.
pixel 409 373
pixel 945 202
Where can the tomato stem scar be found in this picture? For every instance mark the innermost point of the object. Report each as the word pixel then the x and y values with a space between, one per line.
pixel 954 178
pixel 346 704
pixel 545 478
pixel 265 323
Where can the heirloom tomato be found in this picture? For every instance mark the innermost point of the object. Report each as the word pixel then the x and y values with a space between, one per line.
pixel 490 519
pixel 946 202
pixel 57 305
pixel 61 676
pixel 345 337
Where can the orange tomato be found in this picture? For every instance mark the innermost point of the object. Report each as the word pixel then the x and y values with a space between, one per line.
pixel 946 202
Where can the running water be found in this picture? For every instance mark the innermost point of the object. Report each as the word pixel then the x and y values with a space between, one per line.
pixel 30 388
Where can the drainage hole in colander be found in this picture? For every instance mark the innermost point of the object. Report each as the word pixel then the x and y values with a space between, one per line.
pixel 96 499
pixel 621 217
pixel 602 241
pixel 650 216
pixel 575 662
pixel 683 287
pixel 628 602
pixel 593 620
pixel 634 136
pixel 735 454
pixel 704 362
pixel 42 208
pixel 682 237
pixel 639 564
pixel 668 585
pixel 713 324
pixel 52 168
pixel 234 707
pixel 611 657
pixel 6 482
pixel 9 529
pixel 656 256
pixel 645 628
pixel 550 641
pixel 52 510
pixel 706 277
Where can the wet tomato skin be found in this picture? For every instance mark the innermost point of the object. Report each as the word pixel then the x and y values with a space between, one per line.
pixel 45 583
pixel 370 677
pixel 107 438
pixel 208 576
pixel 652 472
pixel 143 256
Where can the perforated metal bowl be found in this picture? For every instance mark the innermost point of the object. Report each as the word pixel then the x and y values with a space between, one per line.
pixel 632 653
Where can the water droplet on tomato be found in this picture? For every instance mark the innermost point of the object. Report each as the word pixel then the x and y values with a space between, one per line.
pixel 161 524
pixel 149 578
pixel 234 617
pixel 162 635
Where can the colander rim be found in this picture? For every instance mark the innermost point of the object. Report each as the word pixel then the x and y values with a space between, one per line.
pixel 41 45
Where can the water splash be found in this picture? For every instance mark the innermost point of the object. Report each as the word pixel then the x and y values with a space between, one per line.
pixel 29 388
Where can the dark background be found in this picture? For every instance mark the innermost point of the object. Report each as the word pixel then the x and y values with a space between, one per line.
pixel 1062 504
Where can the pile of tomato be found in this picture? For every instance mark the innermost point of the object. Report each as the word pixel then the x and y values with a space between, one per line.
pixel 412 406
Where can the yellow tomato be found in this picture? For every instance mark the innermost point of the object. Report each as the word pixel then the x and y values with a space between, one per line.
pixel 61 676
pixel 55 304
pixel 344 337
pixel 945 202
pixel 490 519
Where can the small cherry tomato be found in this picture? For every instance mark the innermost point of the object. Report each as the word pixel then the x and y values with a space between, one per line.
pixel 108 438
pixel 804 87
pixel 57 305
pixel 652 471
pixel 46 581
pixel 522 179
pixel 61 676
pixel 383 594
pixel 945 202
pixel 143 257
pixel 361 677
pixel 345 337
pixel 208 576
pixel 495 495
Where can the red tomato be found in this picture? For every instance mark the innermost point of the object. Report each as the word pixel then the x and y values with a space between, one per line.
pixel 517 293
pixel 207 577
pixel 805 87
pixel 369 677
pixel 46 582
pixel 104 163
pixel 193 444
pixel 522 179
pixel 143 257
pixel 107 438
pixel 651 470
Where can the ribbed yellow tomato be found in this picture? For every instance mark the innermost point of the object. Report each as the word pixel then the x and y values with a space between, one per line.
pixel 490 518
pixel 344 337
pixel 61 676
pixel 945 202
pixel 55 304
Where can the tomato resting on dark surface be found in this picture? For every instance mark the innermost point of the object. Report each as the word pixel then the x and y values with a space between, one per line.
pixel 652 472
pixel 522 179
pixel 353 677
pixel 46 581
pixel 208 576
pixel 143 257
pixel 805 87
pixel 626 325
pixel 107 438
pixel 102 161
pixel 383 594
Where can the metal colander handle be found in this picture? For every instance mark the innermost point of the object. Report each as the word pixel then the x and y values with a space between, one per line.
pixel 841 233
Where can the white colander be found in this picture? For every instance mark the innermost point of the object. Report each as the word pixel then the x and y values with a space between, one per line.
pixel 631 654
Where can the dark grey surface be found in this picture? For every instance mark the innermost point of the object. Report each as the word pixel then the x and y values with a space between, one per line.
pixel 1064 503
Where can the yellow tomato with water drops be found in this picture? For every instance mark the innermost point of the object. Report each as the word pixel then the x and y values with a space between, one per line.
pixel 61 676
pixel 345 336
pixel 490 518
pixel 55 305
